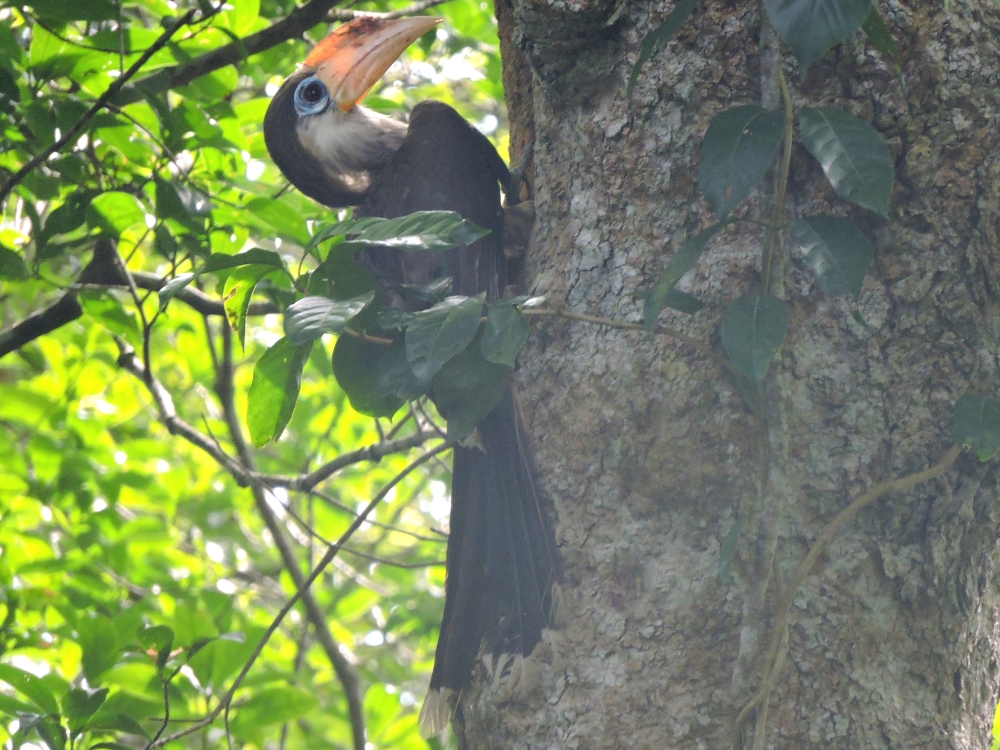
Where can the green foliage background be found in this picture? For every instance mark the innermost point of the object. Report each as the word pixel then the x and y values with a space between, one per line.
pixel 136 577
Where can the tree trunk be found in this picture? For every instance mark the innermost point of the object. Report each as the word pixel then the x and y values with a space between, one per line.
pixel 650 454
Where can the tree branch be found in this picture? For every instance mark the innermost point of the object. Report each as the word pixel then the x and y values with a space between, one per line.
pixel 296 23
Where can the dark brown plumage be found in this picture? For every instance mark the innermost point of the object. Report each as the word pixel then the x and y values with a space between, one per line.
pixel 503 566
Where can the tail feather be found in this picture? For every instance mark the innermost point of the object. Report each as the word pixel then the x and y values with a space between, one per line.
pixel 503 564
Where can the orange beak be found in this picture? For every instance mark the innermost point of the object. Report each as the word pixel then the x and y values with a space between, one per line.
pixel 355 55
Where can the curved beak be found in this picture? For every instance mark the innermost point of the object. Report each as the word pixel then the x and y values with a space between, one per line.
pixel 355 55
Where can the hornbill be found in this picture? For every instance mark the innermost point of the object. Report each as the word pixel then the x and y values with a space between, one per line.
pixel 503 567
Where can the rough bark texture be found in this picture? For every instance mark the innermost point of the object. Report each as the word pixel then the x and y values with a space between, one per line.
pixel 651 456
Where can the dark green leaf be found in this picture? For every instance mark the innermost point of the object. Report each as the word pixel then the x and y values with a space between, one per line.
pixel 356 365
pixel 466 390
pixel 340 276
pixel 311 317
pixel 254 257
pixel 118 723
pixel 753 329
pixel 656 298
pixel 12 265
pixel 61 11
pixel 79 704
pixel 736 153
pixel 105 308
pixel 394 377
pixel 880 36
pixel 423 230
pixel 31 687
pixel 811 27
pixel 504 334
pixel 683 302
pixel 437 334
pixel 837 251
pixel 976 425
pixel 853 155
pixel 658 37
pixel 277 377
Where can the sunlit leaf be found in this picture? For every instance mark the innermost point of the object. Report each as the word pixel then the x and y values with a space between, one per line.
pixel 275 389
pixel 30 686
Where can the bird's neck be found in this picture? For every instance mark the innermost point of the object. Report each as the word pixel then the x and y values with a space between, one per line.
pixel 360 143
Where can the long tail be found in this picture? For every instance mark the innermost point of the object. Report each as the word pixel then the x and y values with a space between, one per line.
pixel 503 565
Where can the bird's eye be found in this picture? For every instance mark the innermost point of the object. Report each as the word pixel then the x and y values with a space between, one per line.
pixel 311 96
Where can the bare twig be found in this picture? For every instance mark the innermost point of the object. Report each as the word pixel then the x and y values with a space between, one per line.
pixel 388 527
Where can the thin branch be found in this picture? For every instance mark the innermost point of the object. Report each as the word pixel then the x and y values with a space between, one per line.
pixel 410 10
pixel 388 527
pixel 294 25
pixel 779 200
pixel 374 453
pixel 73 132
pixel 279 618
pixel 774 660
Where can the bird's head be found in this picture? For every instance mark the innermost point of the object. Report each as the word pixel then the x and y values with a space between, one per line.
pixel 317 133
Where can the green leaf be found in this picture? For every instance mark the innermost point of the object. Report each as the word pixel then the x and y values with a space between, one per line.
pixel 254 257
pixel 107 310
pixel 466 389
pixel 753 329
pixel 811 27
pixel 12 706
pixel 423 230
pixel 437 334
pixel 79 704
pixel 356 365
pixel 114 212
pixel 837 251
pixel 880 36
pixel 277 214
pixel 853 155
pixel 99 642
pixel 237 293
pixel 277 377
pixel 61 11
pixel 659 36
pixel 272 705
pixel 31 687
pixel 976 425
pixel 393 376
pixel 118 723
pixel 657 297
pixel 170 290
pixel 12 265
pixel 340 276
pixel 736 153
pixel 156 637
pixel 504 333
pixel 311 317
